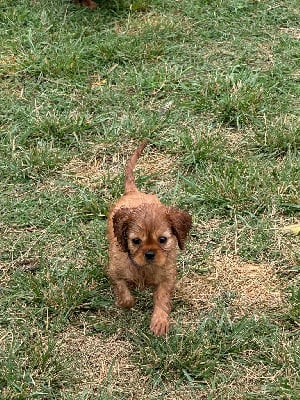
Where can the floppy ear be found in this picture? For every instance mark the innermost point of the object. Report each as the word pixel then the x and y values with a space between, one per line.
pixel 121 221
pixel 181 223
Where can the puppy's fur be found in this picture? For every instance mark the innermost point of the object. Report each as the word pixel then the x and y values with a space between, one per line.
pixel 143 237
pixel 88 3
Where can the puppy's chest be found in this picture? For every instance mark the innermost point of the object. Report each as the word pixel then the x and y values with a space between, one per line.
pixel 146 276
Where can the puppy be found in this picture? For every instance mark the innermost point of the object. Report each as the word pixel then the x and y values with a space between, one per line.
pixel 143 236
pixel 88 3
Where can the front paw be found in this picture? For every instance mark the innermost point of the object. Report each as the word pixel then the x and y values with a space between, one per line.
pixel 126 301
pixel 160 324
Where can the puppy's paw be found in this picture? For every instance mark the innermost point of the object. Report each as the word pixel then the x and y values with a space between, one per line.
pixel 160 324
pixel 126 301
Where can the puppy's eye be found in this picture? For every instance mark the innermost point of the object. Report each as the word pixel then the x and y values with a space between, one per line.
pixel 162 239
pixel 136 241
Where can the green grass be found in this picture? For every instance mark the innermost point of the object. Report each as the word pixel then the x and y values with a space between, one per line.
pixel 218 343
pixel 214 86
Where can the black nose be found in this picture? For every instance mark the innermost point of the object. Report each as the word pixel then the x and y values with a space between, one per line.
pixel 149 255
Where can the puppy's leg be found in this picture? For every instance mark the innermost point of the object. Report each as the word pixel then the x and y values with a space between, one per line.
pixel 162 305
pixel 124 298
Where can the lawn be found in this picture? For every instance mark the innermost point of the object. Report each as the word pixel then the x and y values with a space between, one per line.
pixel 214 86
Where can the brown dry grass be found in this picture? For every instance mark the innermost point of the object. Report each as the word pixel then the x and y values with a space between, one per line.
pixel 248 288
pixel 150 21
pixel 89 173
pixel 293 32
pixel 101 363
pixel 244 379
pixel 4 274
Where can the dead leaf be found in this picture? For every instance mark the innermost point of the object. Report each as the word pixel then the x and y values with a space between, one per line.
pixel 295 229
pixel 100 82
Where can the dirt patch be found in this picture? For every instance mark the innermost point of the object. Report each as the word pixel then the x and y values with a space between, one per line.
pixel 248 288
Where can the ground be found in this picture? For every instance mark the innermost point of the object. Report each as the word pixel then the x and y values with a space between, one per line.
pixel 214 87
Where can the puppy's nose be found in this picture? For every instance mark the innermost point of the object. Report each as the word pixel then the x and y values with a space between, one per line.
pixel 149 255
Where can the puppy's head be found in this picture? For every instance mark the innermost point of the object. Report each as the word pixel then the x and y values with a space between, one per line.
pixel 150 233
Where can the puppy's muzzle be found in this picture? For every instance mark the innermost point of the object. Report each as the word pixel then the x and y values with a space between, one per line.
pixel 149 255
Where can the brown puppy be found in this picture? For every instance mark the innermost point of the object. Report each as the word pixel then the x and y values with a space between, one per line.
pixel 143 236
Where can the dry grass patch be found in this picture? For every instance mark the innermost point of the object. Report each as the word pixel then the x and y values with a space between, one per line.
pixel 243 381
pixel 287 243
pixel 101 363
pixel 8 63
pixel 89 173
pixel 248 288
pixel 159 164
pixel 4 274
pixel 149 21
pixel 292 32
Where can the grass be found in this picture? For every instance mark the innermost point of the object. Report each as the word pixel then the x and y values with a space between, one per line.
pixel 214 86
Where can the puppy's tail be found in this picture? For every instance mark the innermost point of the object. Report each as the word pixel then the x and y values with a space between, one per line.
pixel 130 185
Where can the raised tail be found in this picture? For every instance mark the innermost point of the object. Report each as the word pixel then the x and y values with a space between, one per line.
pixel 130 185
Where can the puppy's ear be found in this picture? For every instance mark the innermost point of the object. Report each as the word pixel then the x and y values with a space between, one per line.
pixel 121 221
pixel 181 223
